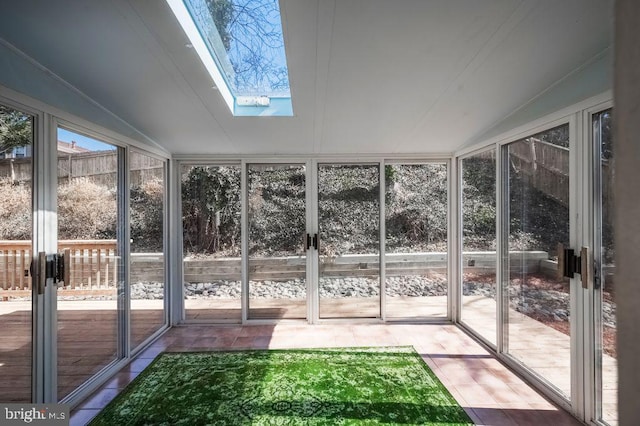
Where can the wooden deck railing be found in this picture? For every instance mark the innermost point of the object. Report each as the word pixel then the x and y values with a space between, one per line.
pixel 15 258
pixel 94 264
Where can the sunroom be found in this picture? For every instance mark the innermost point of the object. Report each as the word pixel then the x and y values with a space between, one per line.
pixel 319 165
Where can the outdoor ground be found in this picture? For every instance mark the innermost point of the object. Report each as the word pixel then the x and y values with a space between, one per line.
pixel 545 283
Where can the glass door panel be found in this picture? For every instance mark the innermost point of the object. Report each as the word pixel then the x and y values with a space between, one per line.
pixel 146 270
pixel 87 305
pixel 16 147
pixel 604 256
pixel 479 257
pixel 276 195
pixel 416 240
pixel 349 242
pixel 537 310
pixel 211 220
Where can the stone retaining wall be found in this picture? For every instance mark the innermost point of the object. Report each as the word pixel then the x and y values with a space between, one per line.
pixel 149 266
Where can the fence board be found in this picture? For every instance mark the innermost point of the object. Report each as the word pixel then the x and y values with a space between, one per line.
pixel 90 261
pixel 99 167
pixel 545 165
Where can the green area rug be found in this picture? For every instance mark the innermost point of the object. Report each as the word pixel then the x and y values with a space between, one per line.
pixel 342 386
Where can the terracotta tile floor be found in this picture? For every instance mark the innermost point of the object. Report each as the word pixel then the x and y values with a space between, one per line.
pixel 487 390
pixel 543 349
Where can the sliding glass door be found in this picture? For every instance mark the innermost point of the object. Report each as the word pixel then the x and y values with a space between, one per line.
pixel 416 240
pixel 479 295
pixel 302 240
pixel 211 241
pixel 277 250
pixel 348 240
pixel 536 302
pixel 604 304
pixel 550 311
pixel 16 231
pixel 88 303
pixel 147 194
pixel 65 235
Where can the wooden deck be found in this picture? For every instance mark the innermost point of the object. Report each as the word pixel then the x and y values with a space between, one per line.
pixel 87 330
pixel 86 342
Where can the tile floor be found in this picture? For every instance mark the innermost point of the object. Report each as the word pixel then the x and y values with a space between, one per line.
pixel 488 391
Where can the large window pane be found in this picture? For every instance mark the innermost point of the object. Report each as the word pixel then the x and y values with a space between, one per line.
pixel 416 240
pixel 538 315
pixel 146 215
pixel 349 240
pixel 211 237
pixel 479 307
pixel 16 143
pixel 87 229
pixel 277 254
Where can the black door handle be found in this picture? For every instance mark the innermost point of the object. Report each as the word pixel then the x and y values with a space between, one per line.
pixel 312 241
pixel 570 264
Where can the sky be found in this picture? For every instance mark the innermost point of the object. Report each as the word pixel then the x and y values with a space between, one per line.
pixel 83 141
pixel 251 79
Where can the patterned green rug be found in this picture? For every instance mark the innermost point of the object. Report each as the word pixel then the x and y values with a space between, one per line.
pixel 343 386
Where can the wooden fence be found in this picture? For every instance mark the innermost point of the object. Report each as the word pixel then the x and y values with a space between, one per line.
pixel 545 165
pixel 94 264
pixel 99 167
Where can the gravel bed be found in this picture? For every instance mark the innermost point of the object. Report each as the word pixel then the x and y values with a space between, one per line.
pixel 550 304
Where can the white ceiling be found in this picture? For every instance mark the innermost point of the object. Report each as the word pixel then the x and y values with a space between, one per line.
pixel 367 76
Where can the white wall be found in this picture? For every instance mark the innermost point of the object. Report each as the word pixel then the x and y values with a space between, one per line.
pixel 592 79
pixel 627 193
pixel 23 75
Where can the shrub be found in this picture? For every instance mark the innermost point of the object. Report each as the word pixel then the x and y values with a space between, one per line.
pixel 146 209
pixel 276 210
pixel 416 207
pixel 15 211
pixel 211 210
pixel 479 202
pixel 86 211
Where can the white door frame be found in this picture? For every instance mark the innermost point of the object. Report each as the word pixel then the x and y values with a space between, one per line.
pixel 582 215
pixel 592 370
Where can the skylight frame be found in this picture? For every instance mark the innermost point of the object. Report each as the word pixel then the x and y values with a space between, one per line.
pixel 277 105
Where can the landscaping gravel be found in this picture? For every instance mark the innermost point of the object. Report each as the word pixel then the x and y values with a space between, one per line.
pixel 551 304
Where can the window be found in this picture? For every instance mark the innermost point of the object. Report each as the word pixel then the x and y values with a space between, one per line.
pixel 479 258
pixel 240 42
pixel 147 261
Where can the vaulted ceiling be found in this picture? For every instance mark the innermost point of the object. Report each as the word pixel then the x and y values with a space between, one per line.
pixel 367 76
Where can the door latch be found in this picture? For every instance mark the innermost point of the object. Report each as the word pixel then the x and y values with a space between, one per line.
pixel 569 264
pixel 51 266
pixel 57 267
pixel 312 241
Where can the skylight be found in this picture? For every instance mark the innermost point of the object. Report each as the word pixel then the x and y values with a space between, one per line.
pixel 240 42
